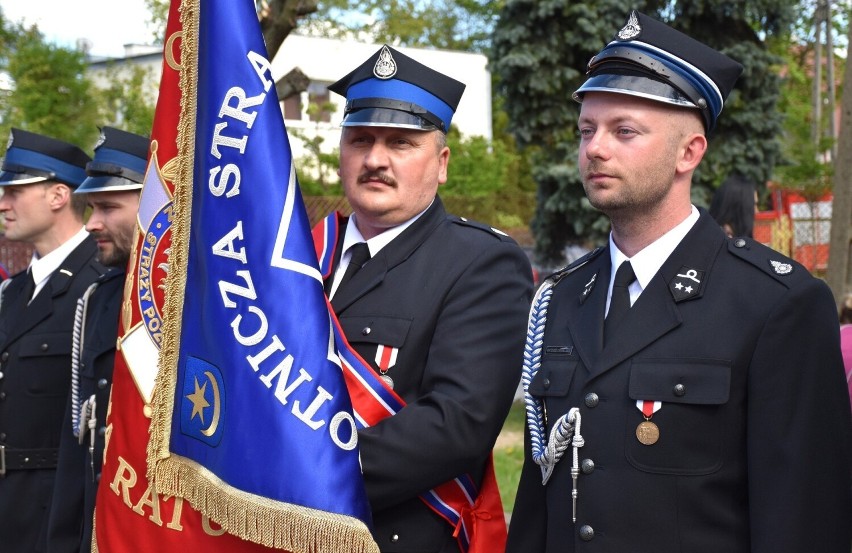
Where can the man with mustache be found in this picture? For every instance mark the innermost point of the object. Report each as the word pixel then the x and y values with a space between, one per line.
pixel 112 190
pixel 38 178
pixel 687 394
pixel 437 306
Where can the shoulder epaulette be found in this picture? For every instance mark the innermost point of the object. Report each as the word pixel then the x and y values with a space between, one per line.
pixel 481 226
pixel 576 264
pixel 783 269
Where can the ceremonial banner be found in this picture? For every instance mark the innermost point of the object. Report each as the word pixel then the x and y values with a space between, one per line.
pixel 251 423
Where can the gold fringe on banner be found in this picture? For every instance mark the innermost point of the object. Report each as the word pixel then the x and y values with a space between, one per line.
pixel 260 520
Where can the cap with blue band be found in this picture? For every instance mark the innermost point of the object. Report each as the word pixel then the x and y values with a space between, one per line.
pixel 119 164
pixel 32 158
pixel 649 59
pixel 391 89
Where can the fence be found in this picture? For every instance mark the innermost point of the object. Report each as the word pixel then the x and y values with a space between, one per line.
pixel 798 228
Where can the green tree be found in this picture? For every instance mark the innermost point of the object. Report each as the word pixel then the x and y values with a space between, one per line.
pixel 540 51
pixel 449 24
pixel 126 103
pixel 315 168
pixel 49 92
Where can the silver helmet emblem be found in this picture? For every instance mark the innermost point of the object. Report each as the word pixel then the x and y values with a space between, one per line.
pixel 385 67
pixel 631 29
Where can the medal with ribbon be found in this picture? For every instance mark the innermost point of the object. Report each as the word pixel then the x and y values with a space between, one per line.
pixel 648 432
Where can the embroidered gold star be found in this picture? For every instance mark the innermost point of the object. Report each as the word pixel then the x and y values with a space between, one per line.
pixel 198 401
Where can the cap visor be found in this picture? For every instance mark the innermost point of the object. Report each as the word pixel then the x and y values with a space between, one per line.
pixel 633 85
pixel 8 178
pixel 107 183
pixel 384 117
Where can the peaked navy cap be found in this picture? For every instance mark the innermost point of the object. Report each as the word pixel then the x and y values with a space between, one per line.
pixel 32 158
pixel 391 89
pixel 119 163
pixel 649 59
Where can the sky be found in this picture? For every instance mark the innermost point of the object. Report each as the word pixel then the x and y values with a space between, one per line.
pixel 106 24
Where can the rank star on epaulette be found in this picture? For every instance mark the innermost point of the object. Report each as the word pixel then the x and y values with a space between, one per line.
pixel 687 284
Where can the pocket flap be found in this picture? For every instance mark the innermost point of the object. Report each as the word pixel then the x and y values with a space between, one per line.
pixel 695 381
pixel 553 378
pixel 37 345
pixel 387 331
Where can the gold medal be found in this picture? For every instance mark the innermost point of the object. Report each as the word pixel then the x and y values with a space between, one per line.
pixel 647 433
pixel 388 380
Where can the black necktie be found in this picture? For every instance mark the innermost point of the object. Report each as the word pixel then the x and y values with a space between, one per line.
pixel 29 287
pixel 359 254
pixel 620 301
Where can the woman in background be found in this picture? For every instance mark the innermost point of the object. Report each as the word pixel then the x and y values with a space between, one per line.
pixel 734 205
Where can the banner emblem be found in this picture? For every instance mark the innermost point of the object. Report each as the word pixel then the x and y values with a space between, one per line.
pixel 202 401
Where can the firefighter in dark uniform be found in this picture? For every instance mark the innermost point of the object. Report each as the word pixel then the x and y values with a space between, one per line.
pixel 37 306
pixel 112 190
pixel 686 394
pixel 437 308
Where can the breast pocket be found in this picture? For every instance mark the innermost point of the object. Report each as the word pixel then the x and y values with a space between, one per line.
pixel 691 392
pixel 552 383
pixel 46 359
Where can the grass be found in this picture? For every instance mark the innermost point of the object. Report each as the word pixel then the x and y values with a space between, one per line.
pixel 509 455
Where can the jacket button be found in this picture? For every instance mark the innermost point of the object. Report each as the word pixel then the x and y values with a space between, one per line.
pixel 739 243
pixel 679 390
pixel 546 382
pixel 592 400
pixel 587 533
pixel 102 383
pixel 1 375
pixel 44 347
pixel 102 431
pixel 395 538
pixel 2 436
pixel 587 466
pixel 2 395
pixel 5 356
pixel 366 330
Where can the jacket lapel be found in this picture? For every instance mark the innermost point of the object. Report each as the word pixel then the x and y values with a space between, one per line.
pixel 42 305
pixel 656 312
pixel 389 257
pixel 587 301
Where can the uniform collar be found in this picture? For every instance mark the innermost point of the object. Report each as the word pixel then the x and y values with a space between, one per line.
pixel 647 262
pixel 42 267
pixel 376 243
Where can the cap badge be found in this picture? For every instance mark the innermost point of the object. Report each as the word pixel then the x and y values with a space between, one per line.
pixel 781 268
pixel 101 140
pixel 11 139
pixel 631 29
pixel 385 67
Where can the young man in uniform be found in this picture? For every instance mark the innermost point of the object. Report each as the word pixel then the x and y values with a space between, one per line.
pixel 36 318
pixel 694 382
pixel 112 190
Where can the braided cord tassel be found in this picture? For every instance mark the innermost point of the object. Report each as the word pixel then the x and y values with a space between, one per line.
pixel 76 346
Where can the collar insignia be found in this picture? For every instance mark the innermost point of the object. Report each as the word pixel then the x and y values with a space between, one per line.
pixel 631 29
pixel 781 268
pixel 385 67
pixel 687 284
pixel 587 289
